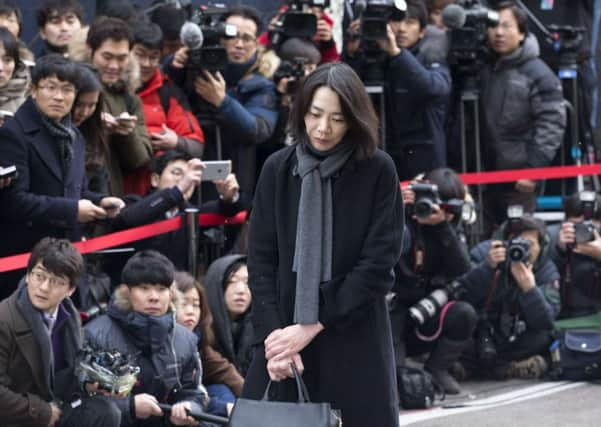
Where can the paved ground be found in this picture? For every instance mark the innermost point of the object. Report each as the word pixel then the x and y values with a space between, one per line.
pixel 514 403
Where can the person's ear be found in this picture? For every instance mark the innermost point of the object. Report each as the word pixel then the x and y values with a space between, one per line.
pixel 154 180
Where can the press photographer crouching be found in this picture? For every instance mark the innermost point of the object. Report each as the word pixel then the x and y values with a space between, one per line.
pixel 424 312
pixel 515 288
pixel 576 250
pixel 409 59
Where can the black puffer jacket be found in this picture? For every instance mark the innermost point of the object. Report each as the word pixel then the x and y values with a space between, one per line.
pixel 166 352
pixel 233 341
pixel 524 112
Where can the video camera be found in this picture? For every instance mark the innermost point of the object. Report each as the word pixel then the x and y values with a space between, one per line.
pixel 428 307
pixel 294 70
pixel 202 34
pixel 297 21
pixel 375 15
pixel 113 371
pixel 468 22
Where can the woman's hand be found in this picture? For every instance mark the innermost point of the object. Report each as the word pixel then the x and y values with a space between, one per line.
pixel 283 343
pixel 280 369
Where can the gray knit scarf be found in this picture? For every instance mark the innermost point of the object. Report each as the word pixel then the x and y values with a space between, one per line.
pixel 63 135
pixel 314 232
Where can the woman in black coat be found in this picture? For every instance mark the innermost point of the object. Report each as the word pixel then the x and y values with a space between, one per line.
pixel 325 233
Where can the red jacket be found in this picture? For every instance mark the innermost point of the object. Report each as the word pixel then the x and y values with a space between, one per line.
pixel 179 118
pixel 328 51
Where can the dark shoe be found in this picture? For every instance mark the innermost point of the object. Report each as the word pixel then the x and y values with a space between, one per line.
pixel 528 369
pixel 445 380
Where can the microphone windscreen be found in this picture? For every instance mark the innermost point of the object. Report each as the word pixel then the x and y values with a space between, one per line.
pixel 191 36
pixel 453 16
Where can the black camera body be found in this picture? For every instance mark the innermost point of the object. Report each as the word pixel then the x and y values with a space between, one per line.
pixel 376 15
pixel 211 56
pixel 518 250
pixel 426 196
pixel 297 21
pixel 485 344
pixel 294 70
pixel 584 231
pixel 428 307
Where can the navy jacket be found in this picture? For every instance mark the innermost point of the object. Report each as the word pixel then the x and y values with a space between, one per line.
pixel 43 200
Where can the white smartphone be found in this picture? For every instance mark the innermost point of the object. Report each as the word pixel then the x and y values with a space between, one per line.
pixel 218 169
pixel 125 117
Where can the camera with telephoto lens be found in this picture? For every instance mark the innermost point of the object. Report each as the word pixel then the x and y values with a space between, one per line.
pixel 468 22
pixel 297 21
pixel 112 370
pixel 428 307
pixel 585 230
pixel 294 70
pixel 202 34
pixel 485 345
pixel 518 250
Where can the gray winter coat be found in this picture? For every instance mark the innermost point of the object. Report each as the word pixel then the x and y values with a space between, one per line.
pixel 524 112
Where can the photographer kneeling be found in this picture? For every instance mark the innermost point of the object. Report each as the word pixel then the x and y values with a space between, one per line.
pixel 514 287
pixel 576 250
pixel 411 59
pixel 434 256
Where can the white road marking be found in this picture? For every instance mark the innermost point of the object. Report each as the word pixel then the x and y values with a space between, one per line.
pixel 533 392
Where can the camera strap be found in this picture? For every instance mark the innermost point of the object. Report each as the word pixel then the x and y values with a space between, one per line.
pixel 492 289
pixel 441 318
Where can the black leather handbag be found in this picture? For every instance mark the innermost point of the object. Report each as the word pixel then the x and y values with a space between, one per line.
pixel 266 413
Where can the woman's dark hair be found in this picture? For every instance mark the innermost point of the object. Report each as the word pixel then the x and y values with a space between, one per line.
pixel 91 128
pixel 159 163
pixel 520 15
pixel 449 183
pixel 9 6
pixel 246 12
pixel 50 8
pixel 11 45
pixel 59 257
pixel 356 106
pixel 55 65
pixel 105 28
pixel 148 267
pixel 184 282
pixel 148 35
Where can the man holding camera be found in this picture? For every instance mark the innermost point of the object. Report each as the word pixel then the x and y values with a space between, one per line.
pixel 140 321
pixel 433 256
pixel 523 112
pixel 40 337
pixel 417 87
pixel 576 250
pixel 242 102
pixel 515 288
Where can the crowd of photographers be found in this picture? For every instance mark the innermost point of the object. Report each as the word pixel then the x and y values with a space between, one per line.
pixel 115 124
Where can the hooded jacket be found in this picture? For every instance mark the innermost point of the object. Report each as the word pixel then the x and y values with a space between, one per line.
pixel 166 352
pixel 538 307
pixel 524 113
pixel 237 351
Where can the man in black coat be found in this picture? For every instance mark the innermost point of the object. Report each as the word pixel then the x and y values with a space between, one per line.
pixel 50 196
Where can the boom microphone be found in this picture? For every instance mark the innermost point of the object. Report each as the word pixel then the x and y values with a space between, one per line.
pixel 191 36
pixel 453 16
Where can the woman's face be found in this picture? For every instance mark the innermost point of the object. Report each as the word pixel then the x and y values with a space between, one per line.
pixel 188 312
pixel 7 66
pixel 324 122
pixel 237 293
pixel 84 107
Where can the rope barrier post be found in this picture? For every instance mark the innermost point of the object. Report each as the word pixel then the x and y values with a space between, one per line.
pixel 192 237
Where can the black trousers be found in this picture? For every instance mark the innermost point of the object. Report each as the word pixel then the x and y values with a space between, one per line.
pixel 92 412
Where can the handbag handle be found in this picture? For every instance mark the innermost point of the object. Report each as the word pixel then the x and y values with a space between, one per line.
pixel 301 388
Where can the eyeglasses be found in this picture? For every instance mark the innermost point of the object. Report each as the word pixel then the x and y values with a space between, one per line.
pixel 245 38
pixel 40 277
pixel 55 89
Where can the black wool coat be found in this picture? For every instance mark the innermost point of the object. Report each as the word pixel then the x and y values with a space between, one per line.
pixel 350 363
pixel 42 200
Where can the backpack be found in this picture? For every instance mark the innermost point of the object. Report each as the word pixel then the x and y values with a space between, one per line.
pixel 576 355
pixel 417 389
